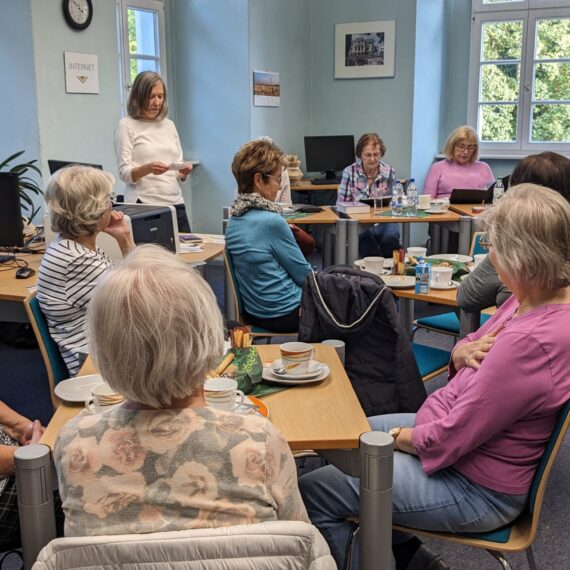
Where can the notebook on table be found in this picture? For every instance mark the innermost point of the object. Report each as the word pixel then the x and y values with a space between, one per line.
pixel 471 195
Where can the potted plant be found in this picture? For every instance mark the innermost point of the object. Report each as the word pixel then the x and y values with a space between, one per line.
pixel 28 185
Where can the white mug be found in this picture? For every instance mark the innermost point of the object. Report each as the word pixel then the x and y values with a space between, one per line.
pixel 101 395
pixel 222 393
pixel 373 264
pixel 424 201
pixel 441 276
pixel 416 251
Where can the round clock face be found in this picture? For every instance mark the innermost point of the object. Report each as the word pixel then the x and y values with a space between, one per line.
pixel 78 13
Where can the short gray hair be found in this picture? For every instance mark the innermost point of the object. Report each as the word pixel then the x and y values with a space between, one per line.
pixel 530 232
pixel 154 327
pixel 77 196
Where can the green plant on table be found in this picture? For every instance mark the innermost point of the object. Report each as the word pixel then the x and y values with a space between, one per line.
pixel 28 186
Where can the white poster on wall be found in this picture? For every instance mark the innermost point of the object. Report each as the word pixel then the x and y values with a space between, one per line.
pixel 81 72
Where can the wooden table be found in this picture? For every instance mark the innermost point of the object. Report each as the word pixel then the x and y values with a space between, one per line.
pixel 452 220
pixel 326 415
pixel 306 186
pixel 465 209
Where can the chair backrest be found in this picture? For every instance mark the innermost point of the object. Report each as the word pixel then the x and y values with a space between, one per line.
pixel 476 244
pixel 277 544
pixel 538 486
pixel 231 278
pixel 55 365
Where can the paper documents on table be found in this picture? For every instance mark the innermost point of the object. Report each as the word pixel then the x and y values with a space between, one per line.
pixel 213 238
pixel 189 248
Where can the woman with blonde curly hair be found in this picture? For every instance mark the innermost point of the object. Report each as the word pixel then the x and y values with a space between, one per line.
pixel 163 460
pixel 79 200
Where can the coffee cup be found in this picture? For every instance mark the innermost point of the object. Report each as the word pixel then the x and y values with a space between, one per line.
pixel 424 201
pixel 223 393
pixel 373 264
pixel 416 252
pixel 441 276
pixel 479 257
pixel 102 395
pixel 296 357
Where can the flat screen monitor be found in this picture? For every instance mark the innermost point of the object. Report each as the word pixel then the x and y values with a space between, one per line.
pixel 11 225
pixel 55 165
pixel 329 154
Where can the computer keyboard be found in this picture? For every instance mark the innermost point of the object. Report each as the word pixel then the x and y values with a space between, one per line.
pixel 323 181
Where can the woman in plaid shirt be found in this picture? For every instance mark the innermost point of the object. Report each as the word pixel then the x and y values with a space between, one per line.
pixel 367 177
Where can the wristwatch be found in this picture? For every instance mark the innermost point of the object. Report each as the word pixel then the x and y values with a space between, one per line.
pixel 395 432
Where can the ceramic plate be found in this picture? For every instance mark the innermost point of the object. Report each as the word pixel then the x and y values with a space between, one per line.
pixel 270 377
pixel 450 285
pixel 430 211
pixel 315 368
pixel 77 389
pixel 359 262
pixel 399 281
pixel 452 257
pixel 246 410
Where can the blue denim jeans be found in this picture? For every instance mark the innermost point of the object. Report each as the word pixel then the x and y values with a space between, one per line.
pixel 379 240
pixel 444 501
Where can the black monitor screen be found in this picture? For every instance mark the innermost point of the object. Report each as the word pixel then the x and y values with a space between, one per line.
pixel 329 154
pixel 11 225
pixel 55 165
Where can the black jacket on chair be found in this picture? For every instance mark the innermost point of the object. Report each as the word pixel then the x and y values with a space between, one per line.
pixel 359 309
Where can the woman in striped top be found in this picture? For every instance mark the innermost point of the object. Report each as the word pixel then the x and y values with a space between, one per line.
pixel 79 199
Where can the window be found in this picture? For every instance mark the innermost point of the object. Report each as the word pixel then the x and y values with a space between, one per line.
pixel 519 85
pixel 141 40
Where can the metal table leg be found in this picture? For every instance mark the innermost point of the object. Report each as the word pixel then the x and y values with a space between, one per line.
pixel 35 485
pixel 465 231
pixel 327 248
pixel 340 242
pixel 352 242
pixel 407 313
pixel 405 235
pixel 435 234
pixel 468 322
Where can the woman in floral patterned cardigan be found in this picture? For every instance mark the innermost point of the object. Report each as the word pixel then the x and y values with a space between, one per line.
pixel 163 460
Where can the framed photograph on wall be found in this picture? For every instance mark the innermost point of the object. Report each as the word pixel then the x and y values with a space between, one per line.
pixel 365 49
pixel 266 89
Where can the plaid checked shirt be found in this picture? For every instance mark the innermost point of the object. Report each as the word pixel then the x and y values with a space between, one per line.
pixel 354 184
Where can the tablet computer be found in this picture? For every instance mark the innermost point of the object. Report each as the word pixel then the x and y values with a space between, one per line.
pixel 471 195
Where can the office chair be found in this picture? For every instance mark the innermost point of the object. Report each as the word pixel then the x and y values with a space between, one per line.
pixel 430 360
pixel 518 535
pixel 255 331
pixel 55 366
pixel 448 323
pixel 514 537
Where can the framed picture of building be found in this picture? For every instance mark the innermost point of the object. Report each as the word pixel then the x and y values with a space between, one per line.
pixel 365 49
pixel 266 89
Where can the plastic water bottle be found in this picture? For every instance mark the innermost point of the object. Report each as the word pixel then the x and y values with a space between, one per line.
pixel 498 190
pixel 423 276
pixel 397 202
pixel 412 195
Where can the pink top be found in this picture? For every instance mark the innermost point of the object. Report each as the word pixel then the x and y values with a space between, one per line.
pixel 492 424
pixel 445 175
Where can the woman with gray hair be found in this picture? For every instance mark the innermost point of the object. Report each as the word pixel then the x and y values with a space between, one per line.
pixel 147 144
pixel 163 460
pixel 465 461
pixel 79 199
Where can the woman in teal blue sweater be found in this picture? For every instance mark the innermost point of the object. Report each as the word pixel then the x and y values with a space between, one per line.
pixel 268 264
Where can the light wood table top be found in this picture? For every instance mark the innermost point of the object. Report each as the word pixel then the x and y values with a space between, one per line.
pixel 211 251
pixel 306 186
pixel 12 289
pixel 324 415
pixel 377 216
pixel 465 209
pixel 437 296
pixel 326 216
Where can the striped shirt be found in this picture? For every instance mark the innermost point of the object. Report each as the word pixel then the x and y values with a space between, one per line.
pixel 68 273
pixel 354 184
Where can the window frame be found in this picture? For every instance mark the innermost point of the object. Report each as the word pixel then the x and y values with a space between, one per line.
pixel 482 14
pixel 157 6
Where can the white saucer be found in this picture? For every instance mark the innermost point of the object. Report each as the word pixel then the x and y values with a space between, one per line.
pixel 430 211
pixel 399 281
pixel 388 264
pixel 450 285
pixel 77 389
pixel 452 257
pixel 315 368
pixel 269 376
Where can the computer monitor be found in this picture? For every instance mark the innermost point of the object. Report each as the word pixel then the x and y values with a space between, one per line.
pixel 329 154
pixel 11 224
pixel 55 165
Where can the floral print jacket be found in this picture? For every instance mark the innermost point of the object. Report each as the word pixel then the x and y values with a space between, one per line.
pixel 137 471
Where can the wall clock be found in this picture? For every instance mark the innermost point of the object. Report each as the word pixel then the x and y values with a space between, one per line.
pixel 78 13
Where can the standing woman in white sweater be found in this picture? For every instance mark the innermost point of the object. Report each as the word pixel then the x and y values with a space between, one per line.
pixel 146 143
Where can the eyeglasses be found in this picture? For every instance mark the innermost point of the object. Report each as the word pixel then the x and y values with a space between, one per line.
pixel 369 155
pixel 461 147
pixel 278 179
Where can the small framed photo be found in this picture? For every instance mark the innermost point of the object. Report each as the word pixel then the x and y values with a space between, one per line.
pixel 365 49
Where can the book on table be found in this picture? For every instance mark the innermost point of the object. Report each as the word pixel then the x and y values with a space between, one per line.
pixel 353 207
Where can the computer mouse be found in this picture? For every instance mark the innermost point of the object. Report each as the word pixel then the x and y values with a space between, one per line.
pixel 25 272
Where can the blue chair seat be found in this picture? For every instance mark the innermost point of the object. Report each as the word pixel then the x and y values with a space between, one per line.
pixel 430 359
pixel 448 322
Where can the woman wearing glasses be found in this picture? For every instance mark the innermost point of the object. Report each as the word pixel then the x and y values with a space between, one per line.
pixel 268 264
pixel 461 169
pixel 371 177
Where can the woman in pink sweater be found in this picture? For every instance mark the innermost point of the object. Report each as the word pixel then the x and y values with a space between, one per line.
pixel 461 169
pixel 466 460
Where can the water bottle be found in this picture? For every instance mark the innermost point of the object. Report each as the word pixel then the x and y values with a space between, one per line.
pixel 423 276
pixel 498 190
pixel 412 195
pixel 397 198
